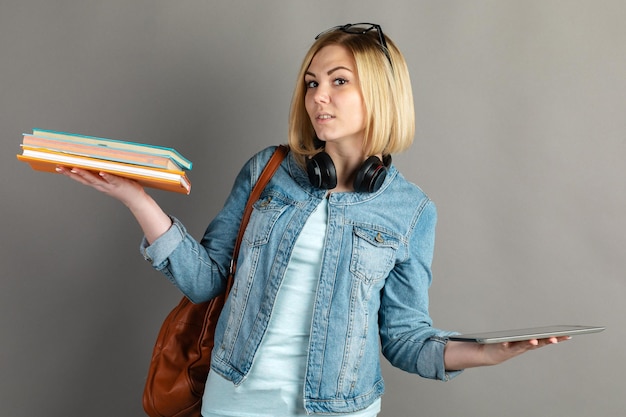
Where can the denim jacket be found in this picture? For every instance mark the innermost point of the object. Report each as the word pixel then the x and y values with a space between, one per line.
pixel 373 286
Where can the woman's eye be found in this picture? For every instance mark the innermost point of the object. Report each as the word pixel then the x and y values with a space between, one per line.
pixel 340 81
pixel 310 84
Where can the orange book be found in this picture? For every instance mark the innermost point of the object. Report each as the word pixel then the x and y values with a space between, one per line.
pixel 46 160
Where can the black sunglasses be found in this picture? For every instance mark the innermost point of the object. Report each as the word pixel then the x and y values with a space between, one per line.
pixel 362 29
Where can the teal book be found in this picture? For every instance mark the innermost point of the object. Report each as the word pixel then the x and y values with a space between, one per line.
pixel 114 144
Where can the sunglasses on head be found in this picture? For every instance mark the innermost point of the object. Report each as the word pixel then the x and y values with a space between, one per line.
pixel 362 29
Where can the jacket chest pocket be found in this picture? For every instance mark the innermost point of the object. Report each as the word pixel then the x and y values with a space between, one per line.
pixel 373 254
pixel 265 213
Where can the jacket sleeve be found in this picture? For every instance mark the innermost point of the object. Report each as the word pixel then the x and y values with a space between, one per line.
pixel 408 339
pixel 200 269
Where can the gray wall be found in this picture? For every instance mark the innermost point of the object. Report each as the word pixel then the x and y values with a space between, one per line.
pixel 520 142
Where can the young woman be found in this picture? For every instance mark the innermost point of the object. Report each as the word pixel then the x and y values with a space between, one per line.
pixel 336 260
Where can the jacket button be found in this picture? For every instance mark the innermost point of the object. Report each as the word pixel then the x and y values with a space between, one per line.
pixel 379 238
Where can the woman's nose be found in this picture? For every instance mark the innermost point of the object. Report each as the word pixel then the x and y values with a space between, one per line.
pixel 321 95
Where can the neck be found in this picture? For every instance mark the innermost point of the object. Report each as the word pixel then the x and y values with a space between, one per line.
pixel 347 162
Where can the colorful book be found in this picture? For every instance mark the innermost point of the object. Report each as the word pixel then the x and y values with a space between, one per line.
pixel 113 144
pixel 101 152
pixel 47 160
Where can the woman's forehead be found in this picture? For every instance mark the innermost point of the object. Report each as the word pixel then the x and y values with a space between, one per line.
pixel 332 56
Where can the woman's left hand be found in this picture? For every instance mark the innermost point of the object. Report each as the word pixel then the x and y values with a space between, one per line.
pixel 499 352
pixel 462 355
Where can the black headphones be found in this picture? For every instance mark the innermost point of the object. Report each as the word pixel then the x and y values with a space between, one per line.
pixel 369 178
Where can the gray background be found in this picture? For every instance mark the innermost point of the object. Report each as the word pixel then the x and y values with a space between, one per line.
pixel 520 141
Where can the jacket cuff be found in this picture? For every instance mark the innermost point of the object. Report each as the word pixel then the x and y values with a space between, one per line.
pixel 158 252
pixel 432 358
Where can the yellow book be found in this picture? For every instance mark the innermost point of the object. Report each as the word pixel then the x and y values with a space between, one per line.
pixel 47 160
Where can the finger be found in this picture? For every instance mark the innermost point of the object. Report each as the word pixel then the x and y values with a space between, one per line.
pixel 63 170
pixel 70 172
pixel 109 178
pixel 553 340
pixel 88 176
pixel 73 171
pixel 83 176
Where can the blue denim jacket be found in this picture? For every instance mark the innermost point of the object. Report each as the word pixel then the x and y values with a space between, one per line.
pixel 372 292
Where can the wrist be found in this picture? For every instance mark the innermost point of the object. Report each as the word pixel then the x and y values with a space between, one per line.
pixel 137 201
pixel 463 355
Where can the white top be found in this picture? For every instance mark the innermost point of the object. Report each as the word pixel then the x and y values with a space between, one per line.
pixel 275 384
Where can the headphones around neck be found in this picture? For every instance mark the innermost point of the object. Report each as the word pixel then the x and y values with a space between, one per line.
pixel 369 178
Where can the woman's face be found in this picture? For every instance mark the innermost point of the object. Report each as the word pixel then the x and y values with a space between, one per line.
pixel 333 97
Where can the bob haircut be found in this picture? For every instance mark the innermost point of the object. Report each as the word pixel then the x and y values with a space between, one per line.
pixel 387 95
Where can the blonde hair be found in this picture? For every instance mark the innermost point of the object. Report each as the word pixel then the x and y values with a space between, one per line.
pixel 387 94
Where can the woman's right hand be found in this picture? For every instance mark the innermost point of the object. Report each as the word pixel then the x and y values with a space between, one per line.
pixel 125 190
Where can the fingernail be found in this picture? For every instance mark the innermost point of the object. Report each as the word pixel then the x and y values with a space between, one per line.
pixel 73 171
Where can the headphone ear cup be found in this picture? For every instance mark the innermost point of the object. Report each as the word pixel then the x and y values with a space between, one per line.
pixel 321 171
pixel 370 176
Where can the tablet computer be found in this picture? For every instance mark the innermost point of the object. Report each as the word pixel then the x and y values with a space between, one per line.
pixel 526 334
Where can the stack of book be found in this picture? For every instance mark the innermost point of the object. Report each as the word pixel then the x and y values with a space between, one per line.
pixel 150 165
